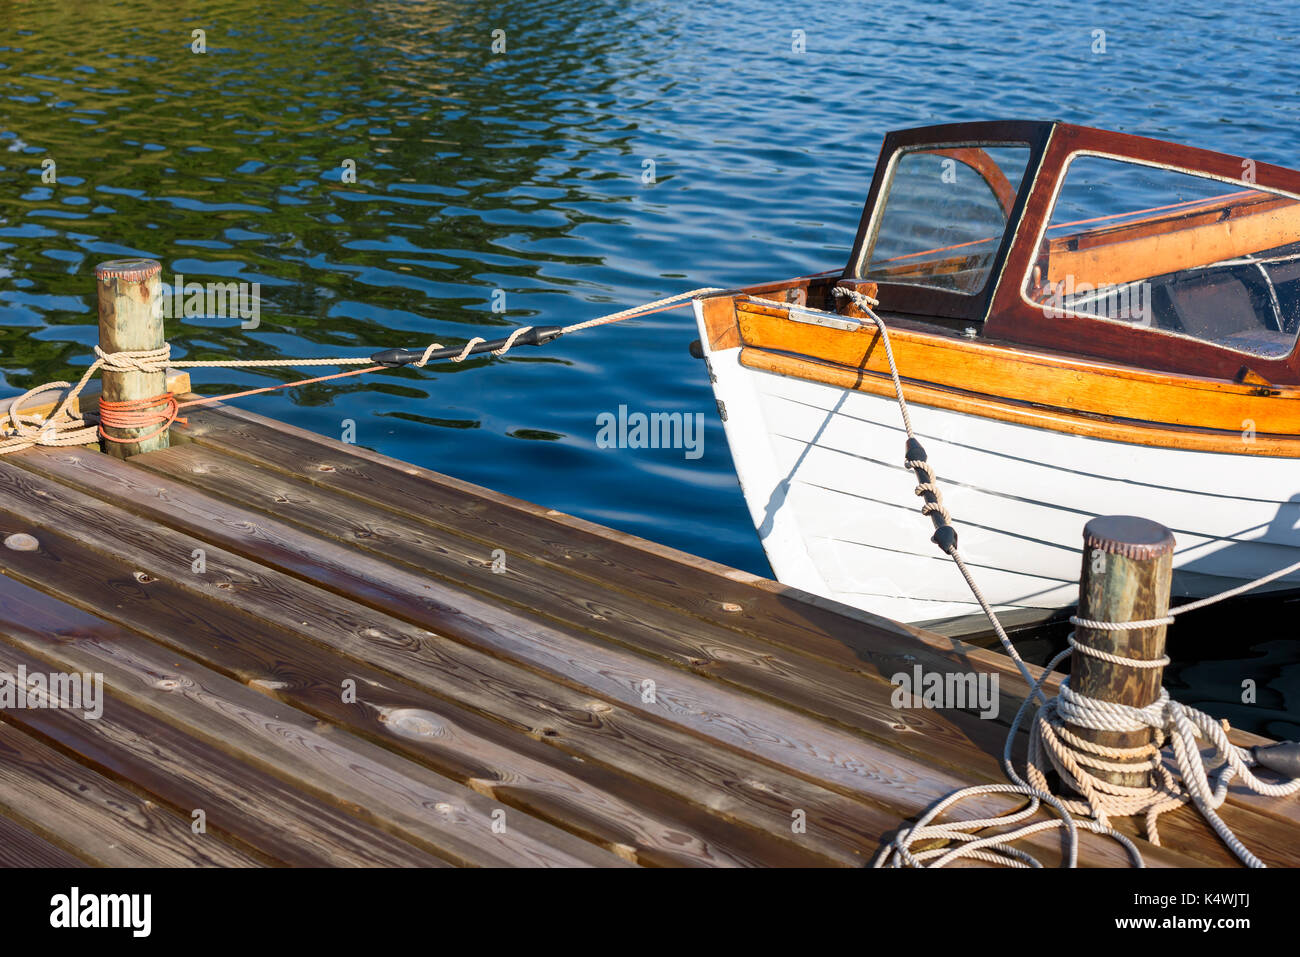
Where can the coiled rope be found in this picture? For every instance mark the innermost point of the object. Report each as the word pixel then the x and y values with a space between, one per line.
pixel 1052 744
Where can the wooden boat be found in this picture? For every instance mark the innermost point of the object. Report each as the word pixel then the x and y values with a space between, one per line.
pixel 1085 322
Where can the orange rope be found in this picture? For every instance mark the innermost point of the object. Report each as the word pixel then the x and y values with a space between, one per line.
pixel 272 388
pixel 138 414
pixel 164 409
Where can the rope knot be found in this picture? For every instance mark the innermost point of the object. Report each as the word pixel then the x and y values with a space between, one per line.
pixel 861 299
pixel 139 360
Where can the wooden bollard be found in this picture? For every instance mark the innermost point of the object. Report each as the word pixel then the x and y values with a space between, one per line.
pixel 129 320
pixel 1127 568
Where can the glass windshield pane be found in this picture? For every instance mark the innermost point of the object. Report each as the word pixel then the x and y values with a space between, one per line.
pixel 1172 251
pixel 944 214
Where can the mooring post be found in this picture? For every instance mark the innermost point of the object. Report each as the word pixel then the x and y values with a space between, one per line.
pixel 129 321
pixel 1127 567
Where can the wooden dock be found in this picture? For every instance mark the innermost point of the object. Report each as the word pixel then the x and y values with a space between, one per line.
pixel 316 655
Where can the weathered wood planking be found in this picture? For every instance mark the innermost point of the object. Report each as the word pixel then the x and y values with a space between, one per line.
pixel 523 769
pixel 554 714
pixel 521 694
pixel 64 802
pixel 756 608
pixel 22 848
pixel 270 820
pixel 751 727
pixel 814 687
pixel 424 810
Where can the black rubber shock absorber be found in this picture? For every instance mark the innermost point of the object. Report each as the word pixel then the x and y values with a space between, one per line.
pixel 945 536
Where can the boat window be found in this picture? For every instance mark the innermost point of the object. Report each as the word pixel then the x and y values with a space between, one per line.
pixel 1172 251
pixel 943 216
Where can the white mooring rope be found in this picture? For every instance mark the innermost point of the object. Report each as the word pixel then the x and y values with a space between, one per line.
pixel 1073 758
pixel 65 427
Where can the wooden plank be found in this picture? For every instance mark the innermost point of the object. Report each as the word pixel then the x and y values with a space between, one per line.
pixel 587 552
pixel 240 803
pixel 767 611
pixel 580 725
pixel 777 735
pixel 63 802
pixel 420 497
pixel 772 617
pixel 503 763
pixel 446 820
pixel 863 705
pixel 883 778
pixel 853 700
pixel 763 609
pixel 20 847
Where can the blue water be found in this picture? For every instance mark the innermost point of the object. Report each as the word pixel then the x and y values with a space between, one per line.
pixel 523 171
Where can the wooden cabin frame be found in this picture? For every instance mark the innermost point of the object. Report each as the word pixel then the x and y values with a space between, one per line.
pixel 999 355
pixel 1008 316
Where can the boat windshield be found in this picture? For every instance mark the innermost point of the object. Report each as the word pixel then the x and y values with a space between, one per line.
pixel 1173 251
pixel 943 215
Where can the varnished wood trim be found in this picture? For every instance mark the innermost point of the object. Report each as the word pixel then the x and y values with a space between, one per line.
pixel 720 323
pixel 1013 375
pixel 1012 317
pixel 980 161
pixel 1123 254
pixel 1156 436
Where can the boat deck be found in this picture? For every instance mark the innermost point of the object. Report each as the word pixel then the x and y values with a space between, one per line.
pixel 316 655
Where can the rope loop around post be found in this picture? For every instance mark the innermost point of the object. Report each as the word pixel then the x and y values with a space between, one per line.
pixel 1115 659
pixel 161 410
pixel 139 360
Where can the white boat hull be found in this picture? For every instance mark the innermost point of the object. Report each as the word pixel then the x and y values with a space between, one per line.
pixel 822 472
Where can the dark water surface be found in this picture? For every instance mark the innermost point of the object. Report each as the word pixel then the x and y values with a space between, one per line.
pixel 524 172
